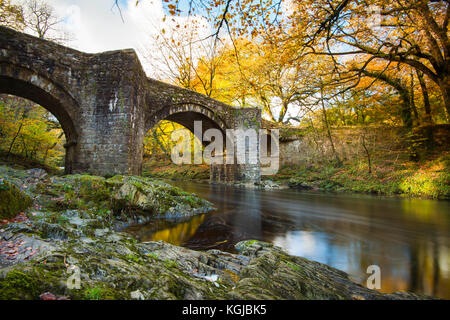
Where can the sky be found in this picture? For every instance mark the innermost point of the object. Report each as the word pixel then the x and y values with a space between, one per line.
pixel 97 25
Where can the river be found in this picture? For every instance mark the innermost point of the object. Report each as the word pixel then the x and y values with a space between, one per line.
pixel 409 239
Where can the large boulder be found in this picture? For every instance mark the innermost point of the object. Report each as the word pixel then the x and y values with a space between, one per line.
pixel 154 197
pixel 121 195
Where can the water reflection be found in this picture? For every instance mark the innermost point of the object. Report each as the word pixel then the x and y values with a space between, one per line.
pixel 171 231
pixel 408 239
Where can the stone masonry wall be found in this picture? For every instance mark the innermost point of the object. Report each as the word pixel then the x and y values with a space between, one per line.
pixel 309 148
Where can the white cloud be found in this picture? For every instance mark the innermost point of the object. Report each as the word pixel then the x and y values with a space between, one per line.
pixel 97 25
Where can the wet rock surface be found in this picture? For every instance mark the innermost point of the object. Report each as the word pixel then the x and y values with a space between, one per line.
pixel 78 252
pixel 261 185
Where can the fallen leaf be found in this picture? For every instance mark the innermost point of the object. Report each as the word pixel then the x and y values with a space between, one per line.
pixel 47 296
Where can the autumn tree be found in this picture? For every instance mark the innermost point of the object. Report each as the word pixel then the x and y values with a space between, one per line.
pixel 272 82
pixel 177 48
pixel 404 92
pixel 408 32
pixel 412 33
pixel 311 61
pixel 11 15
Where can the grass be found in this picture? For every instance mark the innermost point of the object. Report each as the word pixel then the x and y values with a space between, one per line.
pixel 153 255
pixel 293 266
pixel 168 170
pixel 170 263
pixel 93 294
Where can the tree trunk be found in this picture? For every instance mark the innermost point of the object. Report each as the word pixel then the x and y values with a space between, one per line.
pixel 413 103
pixel 283 111
pixel 366 150
pixel 428 129
pixel 325 118
pixel 444 85
pixel 14 139
pixel 426 98
pixel 315 135
pixel 51 147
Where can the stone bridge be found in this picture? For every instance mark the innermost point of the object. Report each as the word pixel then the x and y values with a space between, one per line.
pixel 106 104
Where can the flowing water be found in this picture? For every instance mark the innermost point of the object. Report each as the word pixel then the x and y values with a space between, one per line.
pixel 409 239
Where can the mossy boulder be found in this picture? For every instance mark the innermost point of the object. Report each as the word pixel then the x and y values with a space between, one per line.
pixel 154 197
pixel 122 195
pixel 12 200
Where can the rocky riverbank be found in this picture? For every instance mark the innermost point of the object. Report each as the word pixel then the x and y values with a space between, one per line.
pixel 68 245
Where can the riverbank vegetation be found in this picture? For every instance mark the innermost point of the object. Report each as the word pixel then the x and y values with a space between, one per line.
pixel 425 179
pixel 165 169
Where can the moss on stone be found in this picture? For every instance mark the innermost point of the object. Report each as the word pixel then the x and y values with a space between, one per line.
pixel 18 285
pixel 100 293
pixel 150 196
pixel 12 200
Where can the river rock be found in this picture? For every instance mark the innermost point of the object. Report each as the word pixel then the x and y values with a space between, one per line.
pixel 158 270
pixel 296 183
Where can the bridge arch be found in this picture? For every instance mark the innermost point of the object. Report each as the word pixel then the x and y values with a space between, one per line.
pixel 185 114
pixel 26 83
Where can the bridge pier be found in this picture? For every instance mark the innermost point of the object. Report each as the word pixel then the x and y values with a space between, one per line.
pixel 245 122
pixel 111 121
